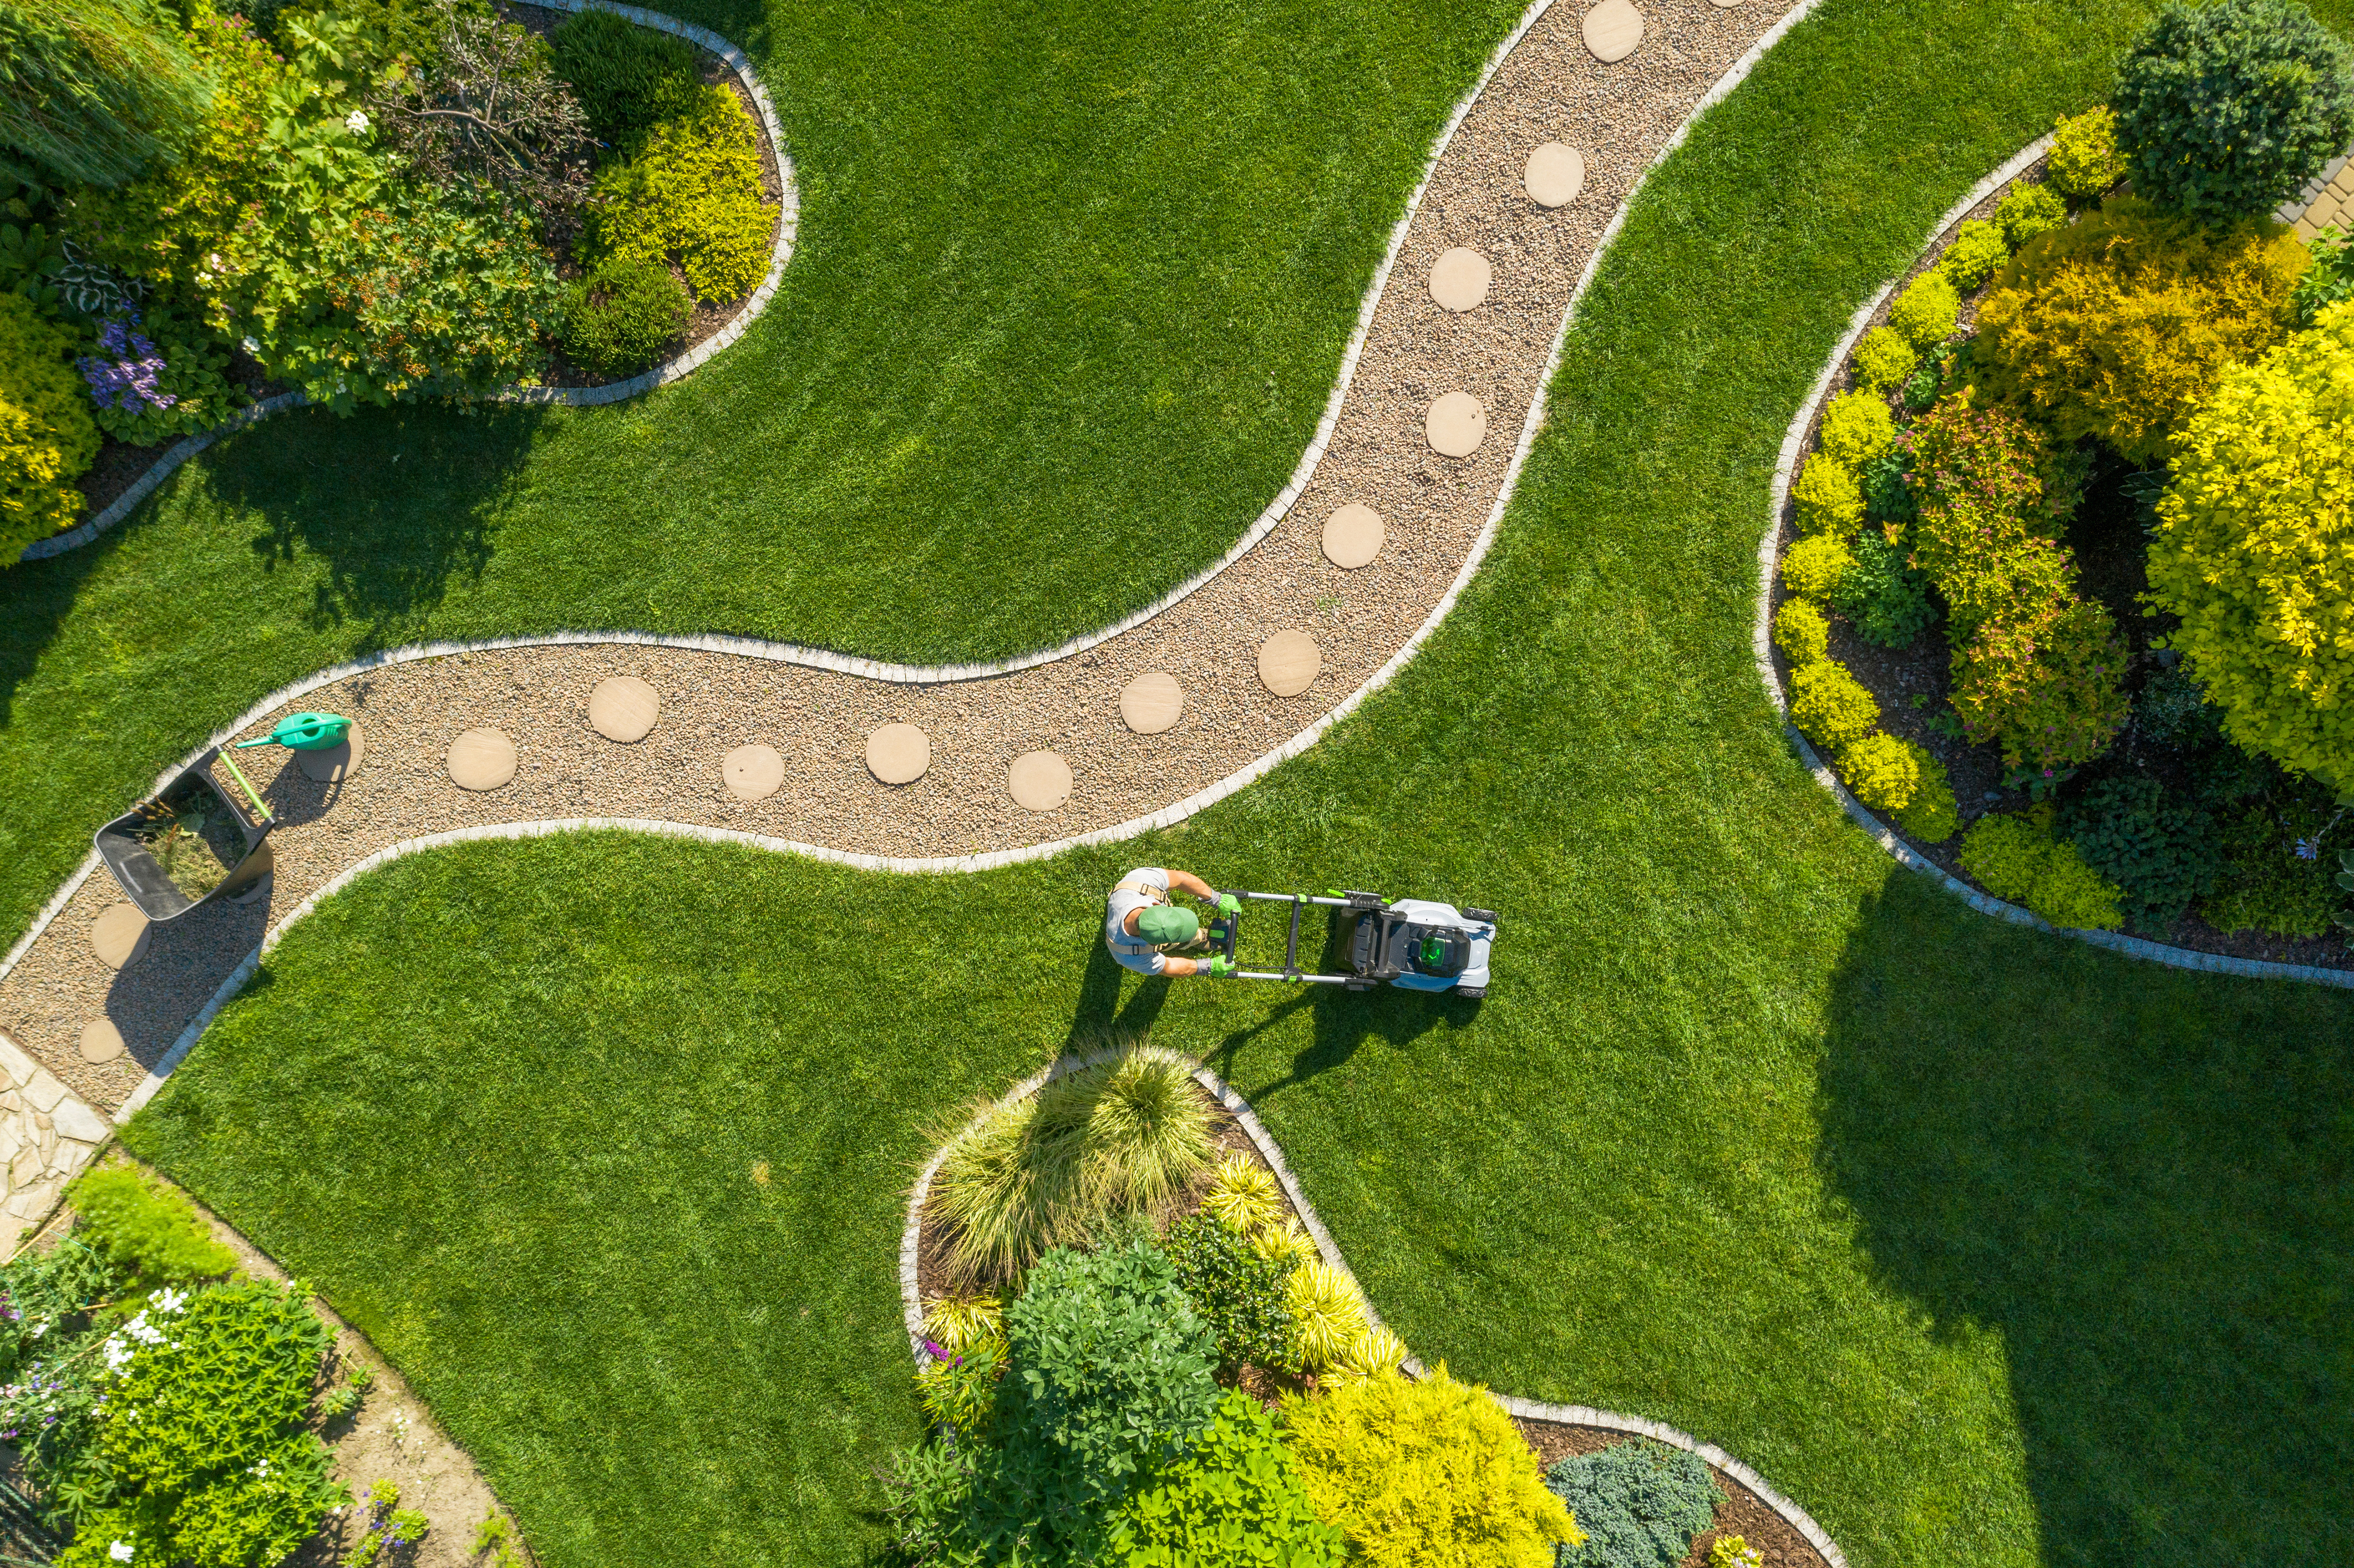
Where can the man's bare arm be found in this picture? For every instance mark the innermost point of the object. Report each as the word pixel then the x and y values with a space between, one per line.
pixel 1187 883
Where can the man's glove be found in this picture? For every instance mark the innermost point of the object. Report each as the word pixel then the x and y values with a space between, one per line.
pixel 1229 905
pixel 1221 968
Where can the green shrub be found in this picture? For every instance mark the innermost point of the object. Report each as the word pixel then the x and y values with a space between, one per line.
pixel 1238 1292
pixel 2328 280
pixel 2172 711
pixel 626 77
pixel 1827 499
pixel 618 320
pixel 1328 1316
pixel 1425 1474
pixel 47 435
pixel 1831 707
pixel 1926 312
pixel 1888 498
pixel 2015 856
pixel 2163 853
pixel 2263 883
pixel 1978 253
pixel 1885 598
pixel 1236 1500
pixel 1640 1504
pixel 1857 428
pixel 150 1231
pixel 2119 325
pixel 1109 1378
pixel 1883 771
pixel 2250 552
pixel 1983 527
pixel 690 193
pixel 2085 160
pixel 1884 359
pixel 1813 567
pixel 1932 816
pixel 1801 632
pixel 2044 680
pixel 2028 210
pixel 2224 109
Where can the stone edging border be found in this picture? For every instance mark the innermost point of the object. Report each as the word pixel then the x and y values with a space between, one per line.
pixel 912 1307
pixel 1761 637
pixel 779 252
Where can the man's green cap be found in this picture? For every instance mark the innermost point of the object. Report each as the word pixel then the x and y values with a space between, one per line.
pixel 1161 924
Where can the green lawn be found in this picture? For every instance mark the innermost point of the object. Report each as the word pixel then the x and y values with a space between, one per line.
pixel 1988 1247
pixel 1072 286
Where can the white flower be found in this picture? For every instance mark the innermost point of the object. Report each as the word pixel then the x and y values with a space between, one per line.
pixel 40 1329
pixel 356 122
pixel 120 1552
pixel 250 346
pixel 169 1300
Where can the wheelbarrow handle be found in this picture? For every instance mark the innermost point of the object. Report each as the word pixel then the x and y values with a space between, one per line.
pixel 246 785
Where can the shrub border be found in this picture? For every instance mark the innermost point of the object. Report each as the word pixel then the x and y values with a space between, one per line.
pixel 912 1307
pixel 779 252
pixel 1761 637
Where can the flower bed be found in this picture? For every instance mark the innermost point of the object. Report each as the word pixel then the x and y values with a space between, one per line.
pixel 361 204
pixel 1982 612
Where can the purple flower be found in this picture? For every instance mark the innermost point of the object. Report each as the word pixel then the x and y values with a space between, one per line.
pixel 934 1351
pixel 127 379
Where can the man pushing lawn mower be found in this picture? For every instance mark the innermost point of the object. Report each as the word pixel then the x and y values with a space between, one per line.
pixel 1149 934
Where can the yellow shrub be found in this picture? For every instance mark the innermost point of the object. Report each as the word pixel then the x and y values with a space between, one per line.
pixel 2255 551
pixel 1286 1243
pixel 1976 253
pixel 1801 632
pixel 1828 498
pixel 1831 707
pixel 1933 817
pixel 1883 771
pixel 1926 312
pixel 1244 1195
pixel 2119 325
pixel 1425 1475
pixel 2084 159
pixel 2017 857
pixel 1376 1352
pixel 47 435
pixel 691 194
pixel 1857 428
pixel 1884 359
pixel 1813 567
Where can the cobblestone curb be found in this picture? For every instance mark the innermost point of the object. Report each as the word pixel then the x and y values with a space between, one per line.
pixel 1762 649
pixel 788 226
pixel 912 1306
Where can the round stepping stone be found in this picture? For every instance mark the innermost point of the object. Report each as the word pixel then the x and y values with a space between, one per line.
pixel 1039 781
pixel 1152 702
pixel 482 760
pixel 1555 175
pixel 101 1041
pixel 333 764
pixel 623 709
pixel 1613 30
pixel 898 754
pixel 119 935
pixel 752 772
pixel 1353 536
pixel 1456 425
pixel 1460 280
pixel 1288 663
pixel 1724 4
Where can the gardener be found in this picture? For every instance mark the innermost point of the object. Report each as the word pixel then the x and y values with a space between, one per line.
pixel 1148 934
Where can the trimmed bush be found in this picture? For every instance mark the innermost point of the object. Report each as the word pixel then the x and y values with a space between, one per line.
pixel 618 319
pixel 1813 567
pixel 1831 707
pixel 150 1231
pixel 1828 498
pixel 626 78
pixel 1857 428
pixel 690 194
pixel 1328 1316
pixel 1238 1293
pixel 1236 1500
pixel 1801 632
pixel 47 435
pixel 1976 253
pixel 2085 160
pixel 1933 817
pixel 1884 359
pixel 1926 312
pixel 2120 325
pixel 1425 1474
pixel 2161 852
pixel 2044 680
pixel 2255 551
pixel 1885 599
pixel 1639 1503
pixel 2224 109
pixel 2015 856
pixel 1883 771
pixel 2026 211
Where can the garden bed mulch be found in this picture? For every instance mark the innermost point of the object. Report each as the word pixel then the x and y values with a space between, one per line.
pixel 1739 1511
pixel 1913 684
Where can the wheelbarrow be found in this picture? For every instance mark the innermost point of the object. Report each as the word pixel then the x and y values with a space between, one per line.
pixel 192 807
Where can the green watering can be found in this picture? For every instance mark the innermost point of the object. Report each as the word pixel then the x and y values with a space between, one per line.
pixel 305 732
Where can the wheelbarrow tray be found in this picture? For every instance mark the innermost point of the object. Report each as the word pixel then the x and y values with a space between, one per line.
pixel 141 876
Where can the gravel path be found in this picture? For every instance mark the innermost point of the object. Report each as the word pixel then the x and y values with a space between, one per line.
pixel 1550 88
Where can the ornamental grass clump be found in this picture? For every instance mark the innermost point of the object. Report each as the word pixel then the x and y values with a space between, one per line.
pixel 1244 1195
pixel 1640 1504
pixel 1428 1474
pixel 1328 1316
pixel 1376 1352
pixel 1146 1132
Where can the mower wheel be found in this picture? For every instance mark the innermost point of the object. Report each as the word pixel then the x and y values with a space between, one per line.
pixel 1474 991
pixel 1485 916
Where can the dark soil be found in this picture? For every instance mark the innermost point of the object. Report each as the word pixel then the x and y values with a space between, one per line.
pixel 1739 1511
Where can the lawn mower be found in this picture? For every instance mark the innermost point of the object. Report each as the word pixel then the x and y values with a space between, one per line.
pixel 1417 944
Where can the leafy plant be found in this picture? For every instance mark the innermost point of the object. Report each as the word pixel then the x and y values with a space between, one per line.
pixel 1884 359
pixel 2085 160
pixel 389 1531
pixel 1831 706
pixel 1428 1474
pixel 2016 856
pixel 1735 1552
pixel 1238 1292
pixel 1801 632
pixel 93 92
pixel 1884 595
pixel 2027 210
pixel 1244 1195
pixel 1883 772
pixel 496 1536
pixel 1856 428
pixel 2162 853
pixel 158 379
pixel 2225 108
pixel 1828 498
pixel 958 1384
pixel 1235 1500
pixel 1978 253
pixel 2120 325
pixel 1813 567
pixel 1639 1503
pixel 1932 815
pixel 626 78
pixel 2172 711
pixel 2328 280
pixel 2046 681
pixel 47 1299
pixel 1925 313
pixel 47 435
pixel 2276 853
pixel 1887 497
pixel 689 193
pixel 150 1231
pixel 1328 1316
pixel 618 320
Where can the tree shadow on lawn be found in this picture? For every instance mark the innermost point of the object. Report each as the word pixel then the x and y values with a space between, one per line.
pixel 2142 1181
pixel 36 599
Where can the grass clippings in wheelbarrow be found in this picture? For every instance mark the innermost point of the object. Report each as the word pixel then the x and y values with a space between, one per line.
pixel 196 847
